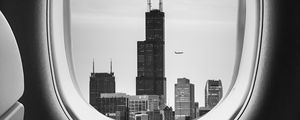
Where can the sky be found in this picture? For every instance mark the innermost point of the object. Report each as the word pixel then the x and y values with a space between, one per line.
pixel 205 30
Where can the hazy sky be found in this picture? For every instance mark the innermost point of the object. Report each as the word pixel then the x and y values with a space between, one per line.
pixel 109 29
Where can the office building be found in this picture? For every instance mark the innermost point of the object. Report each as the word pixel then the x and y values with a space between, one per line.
pixel 113 105
pixel 213 93
pixel 101 83
pixel 151 78
pixel 184 99
pixel 142 103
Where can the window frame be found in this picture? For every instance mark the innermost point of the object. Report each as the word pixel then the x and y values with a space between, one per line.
pixel 231 105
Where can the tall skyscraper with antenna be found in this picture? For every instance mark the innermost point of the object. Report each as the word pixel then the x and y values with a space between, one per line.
pixel 151 78
pixel 101 83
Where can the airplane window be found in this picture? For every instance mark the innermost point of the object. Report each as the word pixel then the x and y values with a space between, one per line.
pixel 151 59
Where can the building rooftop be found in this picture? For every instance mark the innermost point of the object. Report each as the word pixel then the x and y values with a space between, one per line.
pixel 113 95
pixel 103 74
pixel 214 82
pixel 143 97
pixel 183 81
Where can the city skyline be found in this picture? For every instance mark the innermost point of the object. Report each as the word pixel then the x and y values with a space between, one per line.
pixel 177 66
pixel 114 105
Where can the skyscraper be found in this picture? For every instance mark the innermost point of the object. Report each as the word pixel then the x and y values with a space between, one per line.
pixel 150 78
pixel 184 99
pixel 213 93
pixel 101 83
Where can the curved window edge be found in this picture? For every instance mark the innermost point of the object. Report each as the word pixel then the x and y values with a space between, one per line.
pixel 67 91
pixel 235 101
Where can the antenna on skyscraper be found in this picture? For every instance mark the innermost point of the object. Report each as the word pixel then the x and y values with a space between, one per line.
pixel 93 66
pixel 149 5
pixel 110 66
pixel 160 5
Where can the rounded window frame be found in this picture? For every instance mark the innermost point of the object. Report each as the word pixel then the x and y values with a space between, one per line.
pixel 231 105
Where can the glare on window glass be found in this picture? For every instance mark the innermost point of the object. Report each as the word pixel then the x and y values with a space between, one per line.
pixel 141 58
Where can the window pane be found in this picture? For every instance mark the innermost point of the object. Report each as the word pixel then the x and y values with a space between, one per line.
pixel 184 46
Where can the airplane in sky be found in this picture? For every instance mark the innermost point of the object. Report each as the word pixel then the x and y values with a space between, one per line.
pixel 178 52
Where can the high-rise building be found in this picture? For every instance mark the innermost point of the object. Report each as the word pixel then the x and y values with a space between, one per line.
pixel 184 99
pixel 150 78
pixel 114 105
pixel 213 93
pixel 101 83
